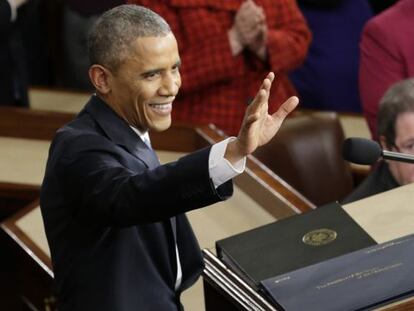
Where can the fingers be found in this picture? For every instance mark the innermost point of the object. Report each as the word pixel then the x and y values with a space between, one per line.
pixel 259 107
pixel 267 82
pixel 266 85
pixel 287 107
pixel 259 14
pixel 270 77
pixel 252 7
pixel 250 14
pixel 248 22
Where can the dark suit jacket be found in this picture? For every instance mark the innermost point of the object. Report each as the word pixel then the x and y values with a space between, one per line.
pixel 379 180
pixel 106 204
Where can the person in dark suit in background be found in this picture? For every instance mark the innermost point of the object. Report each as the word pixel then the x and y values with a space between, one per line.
pixel 114 217
pixel 396 133
pixel 13 73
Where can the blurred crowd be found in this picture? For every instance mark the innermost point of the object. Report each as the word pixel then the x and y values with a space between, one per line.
pixel 338 55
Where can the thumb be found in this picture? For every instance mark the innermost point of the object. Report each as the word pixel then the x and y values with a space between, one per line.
pixel 287 107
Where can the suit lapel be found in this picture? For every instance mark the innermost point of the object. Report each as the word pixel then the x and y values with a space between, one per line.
pixel 120 132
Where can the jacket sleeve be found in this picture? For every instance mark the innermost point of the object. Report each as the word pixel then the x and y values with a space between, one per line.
pixel 288 37
pixel 380 67
pixel 104 190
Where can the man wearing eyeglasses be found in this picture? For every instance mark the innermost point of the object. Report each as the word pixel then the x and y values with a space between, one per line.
pixel 395 130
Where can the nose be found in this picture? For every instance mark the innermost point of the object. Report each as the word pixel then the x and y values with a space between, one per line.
pixel 170 84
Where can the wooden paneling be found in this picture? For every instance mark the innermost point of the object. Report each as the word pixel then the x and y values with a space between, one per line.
pixel 25 123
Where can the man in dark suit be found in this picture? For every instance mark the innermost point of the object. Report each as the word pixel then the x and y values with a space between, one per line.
pixel 114 216
pixel 13 72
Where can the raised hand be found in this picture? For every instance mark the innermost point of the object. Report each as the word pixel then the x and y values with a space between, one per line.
pixel 258 127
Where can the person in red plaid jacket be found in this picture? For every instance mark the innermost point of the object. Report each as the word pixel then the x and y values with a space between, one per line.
pixel 227 47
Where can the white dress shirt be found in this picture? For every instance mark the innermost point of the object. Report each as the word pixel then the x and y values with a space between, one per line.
pixel 14 4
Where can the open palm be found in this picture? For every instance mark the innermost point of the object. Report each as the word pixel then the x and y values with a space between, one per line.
pixel 258 126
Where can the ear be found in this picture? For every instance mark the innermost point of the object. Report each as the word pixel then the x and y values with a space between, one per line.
pixel 100 78
pixel 383 142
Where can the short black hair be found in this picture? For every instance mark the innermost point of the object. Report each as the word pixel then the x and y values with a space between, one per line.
pixel 110 37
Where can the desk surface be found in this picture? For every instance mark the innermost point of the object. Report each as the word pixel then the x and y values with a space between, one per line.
pixel 385 216
pixel 23 161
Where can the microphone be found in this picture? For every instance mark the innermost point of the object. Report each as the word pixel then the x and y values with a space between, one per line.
pixel 366 152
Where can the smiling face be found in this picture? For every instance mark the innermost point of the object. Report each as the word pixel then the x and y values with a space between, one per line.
pixel 142 89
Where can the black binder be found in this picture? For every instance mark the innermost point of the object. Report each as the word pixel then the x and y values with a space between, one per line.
pixel 280 247
pixel 363 279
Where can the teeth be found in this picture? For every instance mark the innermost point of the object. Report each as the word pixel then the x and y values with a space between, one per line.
pixel 162 106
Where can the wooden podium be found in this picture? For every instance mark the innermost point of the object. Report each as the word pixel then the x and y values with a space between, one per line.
pixel 27 263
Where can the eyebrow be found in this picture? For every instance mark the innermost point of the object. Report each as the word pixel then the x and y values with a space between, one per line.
pixel 158 70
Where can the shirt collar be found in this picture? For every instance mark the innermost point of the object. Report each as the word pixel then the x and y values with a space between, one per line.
pixel 142 134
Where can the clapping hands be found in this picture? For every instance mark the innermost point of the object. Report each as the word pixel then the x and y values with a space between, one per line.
pixel 250 29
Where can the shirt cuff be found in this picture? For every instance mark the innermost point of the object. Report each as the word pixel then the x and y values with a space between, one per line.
pixel 220 169
pixel 13 9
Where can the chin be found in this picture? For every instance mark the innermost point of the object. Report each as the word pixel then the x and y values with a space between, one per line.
pixel 161 126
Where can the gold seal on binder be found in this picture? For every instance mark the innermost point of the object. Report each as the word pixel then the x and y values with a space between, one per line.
pixel 319 237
